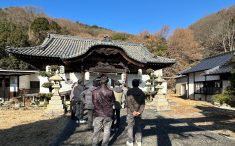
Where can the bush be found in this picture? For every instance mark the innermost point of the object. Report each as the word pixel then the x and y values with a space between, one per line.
pixel 221 98
pixel 120 36
pixel 48 85
pixel 45 96
pixel 231 101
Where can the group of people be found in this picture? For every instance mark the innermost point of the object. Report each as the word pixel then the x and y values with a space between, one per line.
pixel 103 107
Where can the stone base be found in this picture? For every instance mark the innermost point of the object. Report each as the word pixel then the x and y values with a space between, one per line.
pixel 161 103
pixel 54 112
pixel 55 107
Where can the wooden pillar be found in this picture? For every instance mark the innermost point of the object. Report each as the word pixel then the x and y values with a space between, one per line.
pixel 82 75
pixel 4 88
pixel 126 77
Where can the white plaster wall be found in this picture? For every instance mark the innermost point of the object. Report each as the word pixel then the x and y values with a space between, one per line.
pixel 143 78
pixel 199 76
pixel 215 77
pixel 74 76
pixel 191 86
pixel 13 84
pixel 158 72
pixel 43 80
pixel 184 89
pixel 164 90
pixel 34 77
pixel 66 83
pixel 24 82
pixel 70 78
pixel 178 88
pixel 131 77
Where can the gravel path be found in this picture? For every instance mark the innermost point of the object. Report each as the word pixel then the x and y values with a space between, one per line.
pixel 158 131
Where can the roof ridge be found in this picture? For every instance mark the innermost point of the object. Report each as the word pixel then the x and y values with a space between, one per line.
pixel 92 39
pixel 220 54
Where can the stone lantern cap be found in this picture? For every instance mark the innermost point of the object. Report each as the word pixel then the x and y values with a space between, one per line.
pixel 55 78
pixel 159 87
pixel 160 80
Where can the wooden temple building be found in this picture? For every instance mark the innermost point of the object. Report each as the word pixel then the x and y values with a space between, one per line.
pixel 119 60
pixel 12 82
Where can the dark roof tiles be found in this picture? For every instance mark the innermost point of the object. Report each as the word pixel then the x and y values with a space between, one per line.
pixel 210 63
pixel 66 47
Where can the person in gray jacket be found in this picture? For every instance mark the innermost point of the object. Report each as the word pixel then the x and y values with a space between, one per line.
pixel 135 106
pixel 87 97
pixel 119 98
pixel 77 103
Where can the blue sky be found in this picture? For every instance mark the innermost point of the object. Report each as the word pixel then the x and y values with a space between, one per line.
pixel 132 16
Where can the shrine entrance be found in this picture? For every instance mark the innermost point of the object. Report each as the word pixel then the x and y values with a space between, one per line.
pixel 109 60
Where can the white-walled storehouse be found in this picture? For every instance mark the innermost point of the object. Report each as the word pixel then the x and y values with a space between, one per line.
pixel 207 78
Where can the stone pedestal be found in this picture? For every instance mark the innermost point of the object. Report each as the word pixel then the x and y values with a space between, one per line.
pixel 55 106
pixel 161 103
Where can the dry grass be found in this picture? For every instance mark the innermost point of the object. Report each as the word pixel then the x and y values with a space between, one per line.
pixel 28 127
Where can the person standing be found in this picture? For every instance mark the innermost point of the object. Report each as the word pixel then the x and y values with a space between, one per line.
pixel 77 103
pixel 87 95
pixel 119 97
pixel 135 106
pixel 103 100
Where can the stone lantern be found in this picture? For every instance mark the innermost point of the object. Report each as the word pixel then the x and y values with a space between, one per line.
pixel 159 86
pixel 55 106
pixel 161 101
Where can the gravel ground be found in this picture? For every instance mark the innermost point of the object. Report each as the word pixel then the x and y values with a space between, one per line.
pixel 183 125
pixel 158 131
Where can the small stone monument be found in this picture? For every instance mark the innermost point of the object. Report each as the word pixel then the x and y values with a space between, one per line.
pixel 161 101
pixel 55 106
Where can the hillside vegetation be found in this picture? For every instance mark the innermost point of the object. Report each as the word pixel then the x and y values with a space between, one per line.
pixel 28 26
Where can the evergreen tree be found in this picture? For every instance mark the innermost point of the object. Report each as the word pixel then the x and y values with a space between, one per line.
pixel 15 36
pixel 40 26
pixel 54 27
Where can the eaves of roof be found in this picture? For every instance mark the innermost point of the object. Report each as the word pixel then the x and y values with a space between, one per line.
pixel 68 47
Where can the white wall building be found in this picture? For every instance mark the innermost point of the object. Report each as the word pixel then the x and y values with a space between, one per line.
pixel 207 78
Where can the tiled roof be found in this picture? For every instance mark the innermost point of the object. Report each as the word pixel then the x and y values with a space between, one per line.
pixel 67 47
pixel 210 63
pixel 220 70
pixel 17 72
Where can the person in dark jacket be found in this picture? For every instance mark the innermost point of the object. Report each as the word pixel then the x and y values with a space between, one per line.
pixel 135 107
pixel 103 101
pixel 119 98
pixel 87 95
pixel 77 103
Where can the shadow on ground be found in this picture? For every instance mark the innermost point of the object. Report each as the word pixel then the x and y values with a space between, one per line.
pixel 158 131
pixel 40 133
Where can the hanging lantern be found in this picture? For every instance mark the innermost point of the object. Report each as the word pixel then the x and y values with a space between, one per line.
pixel 87 75
pixel 62 69
pixel 140 72
pixel 48 68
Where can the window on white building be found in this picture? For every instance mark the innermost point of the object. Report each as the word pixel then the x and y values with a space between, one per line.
pixel 208 87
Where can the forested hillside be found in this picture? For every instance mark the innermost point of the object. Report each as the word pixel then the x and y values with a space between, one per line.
pixel 28 26
pixel 216 31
